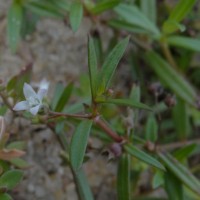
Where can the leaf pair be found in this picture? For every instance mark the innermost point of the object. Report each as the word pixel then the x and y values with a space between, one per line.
pixel 100 79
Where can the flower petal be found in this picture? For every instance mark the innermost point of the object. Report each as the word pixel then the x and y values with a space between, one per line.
pixel 35 110
pixel 44 84
pixel 28 91
pixel 41 93
pixel 22 105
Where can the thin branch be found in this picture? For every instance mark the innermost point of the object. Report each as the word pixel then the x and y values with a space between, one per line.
pixel 172 146
pixel 57 114
pixel 104 126
pixel 168 55
pixel 5 100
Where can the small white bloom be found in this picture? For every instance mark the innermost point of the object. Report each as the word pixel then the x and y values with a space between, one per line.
pixel 44 84
pixel 33 100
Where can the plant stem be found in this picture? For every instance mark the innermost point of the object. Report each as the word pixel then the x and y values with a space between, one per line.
pixel 175 145
pixel 104 126
pixel 57 114
pixel 5 100
pixel 168 55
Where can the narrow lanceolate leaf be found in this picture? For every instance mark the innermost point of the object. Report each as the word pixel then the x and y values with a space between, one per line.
pixel 57 94
pixel 179 12
pixel 184 152
pixel 121 24
pixel 19 163
pixel 92 63
pixel 76 15
pixel 111 63
pixel 134 16
pixel 15 16
pixel 171 78
pixel 64 97
pixel 181 119
pixel 103 6
pixel 79 143
pixel 141 155
pixel 151 129
pixel 149 9
pixel 173 186
pixel 82 185
pixel 5 196
pixel 181 172
pixel 182 8
pixel 127 102
pixel 185 42
pixel 123 178
pixel 10 179
pixel 43 8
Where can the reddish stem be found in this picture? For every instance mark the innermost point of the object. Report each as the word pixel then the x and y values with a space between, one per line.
pixel 104 126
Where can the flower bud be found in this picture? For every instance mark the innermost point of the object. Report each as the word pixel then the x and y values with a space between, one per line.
pixel 170 101
pixel 116 149
pixel 155 88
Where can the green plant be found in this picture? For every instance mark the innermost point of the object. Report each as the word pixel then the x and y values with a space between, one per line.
pixel 163 143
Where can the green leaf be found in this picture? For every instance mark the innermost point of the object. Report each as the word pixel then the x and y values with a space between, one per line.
pixel 79 143
pixel 5 196
pixel 181 119
pixel 182 8
pixel 75 15
pixel 62 4
pixel 141 155
pixel 15 16
pixel 16 145
pixel 170 77
pixel 151 128
pixel 179 12
pixel 184 42
pixel 16 83
pixel 180 172
pixel 126 102
pixel 123 178
pixel 82 185
pixel 3 110
pixel 28 23
pixel 20 163
pixel 92 63
pixel 103 6
pixel 44 8
pixel 134 16
pixel 57 94
pixel 149 9
pixel 120 24
pixel 111 63
pixel 10 179
pixel 158 180
pixel 184 152
pixel 135 93
pixel 171 26
pixel 173 187
pixel 64 97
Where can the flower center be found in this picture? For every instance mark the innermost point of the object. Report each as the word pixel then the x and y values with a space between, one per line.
pixel 33 101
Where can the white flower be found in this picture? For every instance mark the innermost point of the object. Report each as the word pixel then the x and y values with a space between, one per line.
pixel 44 84
pixel 33 100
